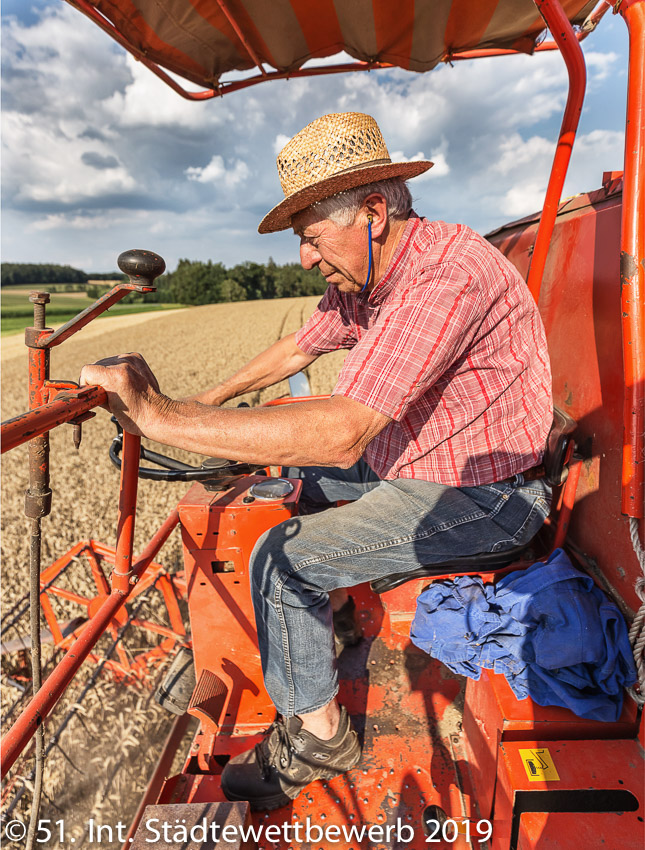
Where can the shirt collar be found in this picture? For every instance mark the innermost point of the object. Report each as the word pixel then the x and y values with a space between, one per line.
pixel 397 265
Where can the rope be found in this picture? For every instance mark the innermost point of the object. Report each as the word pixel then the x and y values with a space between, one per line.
pixel 637 630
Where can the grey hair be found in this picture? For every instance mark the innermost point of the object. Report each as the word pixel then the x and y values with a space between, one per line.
pixel 343 207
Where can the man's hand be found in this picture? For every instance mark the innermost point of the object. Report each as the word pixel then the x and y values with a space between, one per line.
pixel 132 389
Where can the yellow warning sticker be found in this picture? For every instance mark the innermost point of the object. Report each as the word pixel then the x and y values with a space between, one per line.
pixel 539 765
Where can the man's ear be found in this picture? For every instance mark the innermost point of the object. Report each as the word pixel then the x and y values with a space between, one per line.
pixel 376 207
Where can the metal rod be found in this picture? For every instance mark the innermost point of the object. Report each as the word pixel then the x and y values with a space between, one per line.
pixel 22 731
pixel 55 737
pixel 37 505
pixel 177 732
pixel 66 406
pixel 86 316
pixel 569 45
pixel 238 32
pixel 219 90
pixel 632 268
pixel 121 574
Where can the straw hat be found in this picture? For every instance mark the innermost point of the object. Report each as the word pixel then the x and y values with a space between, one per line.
pixel 332 154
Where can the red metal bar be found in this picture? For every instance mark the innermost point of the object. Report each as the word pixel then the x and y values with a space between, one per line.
pixel 43 702
pixel 229 88
pixel 86 316
pixel 122 574
pixel 63 593
pixel 567 503
pixel 40 706
pixel 238 32
pixel 64 408
pixel 164 631
pixel 170 747
pixel 156 542
pixel 565 38
pixel 590 25
pixel 293 400
pixel 632 267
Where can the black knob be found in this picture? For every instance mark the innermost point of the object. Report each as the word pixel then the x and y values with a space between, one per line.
pixel 142 267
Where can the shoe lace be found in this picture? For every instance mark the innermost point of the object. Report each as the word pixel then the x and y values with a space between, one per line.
pixel 276 748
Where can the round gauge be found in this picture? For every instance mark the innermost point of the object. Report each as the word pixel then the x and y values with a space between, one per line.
pixel 271 488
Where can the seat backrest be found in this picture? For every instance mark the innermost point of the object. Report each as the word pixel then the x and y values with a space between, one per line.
pixel 557 451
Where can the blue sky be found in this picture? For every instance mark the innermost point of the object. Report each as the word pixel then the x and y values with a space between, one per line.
pixel 99 156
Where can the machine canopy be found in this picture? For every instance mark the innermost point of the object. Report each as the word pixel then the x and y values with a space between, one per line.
pixel 202 39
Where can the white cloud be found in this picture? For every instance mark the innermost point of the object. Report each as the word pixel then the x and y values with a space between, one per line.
pixel 94 142
pixel 217 172
pixel 280 141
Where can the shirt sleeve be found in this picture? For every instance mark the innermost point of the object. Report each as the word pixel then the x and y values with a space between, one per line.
pixel 415 341
pixel 329 327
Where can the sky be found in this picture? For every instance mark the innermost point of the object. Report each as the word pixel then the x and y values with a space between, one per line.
pixel 99 156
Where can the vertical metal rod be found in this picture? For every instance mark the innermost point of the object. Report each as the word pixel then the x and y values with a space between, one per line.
pixel 122 573
pixel 632 268
pixel 565 38
pixel 37 505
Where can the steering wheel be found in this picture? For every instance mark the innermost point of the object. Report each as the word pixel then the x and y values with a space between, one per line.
pixel 212 469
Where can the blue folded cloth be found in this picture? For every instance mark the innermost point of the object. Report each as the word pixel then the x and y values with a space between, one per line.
pixel 554 635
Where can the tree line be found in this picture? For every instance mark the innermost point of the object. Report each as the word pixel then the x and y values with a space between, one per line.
pixel 208 283
pixel 17 273
pixel 193 282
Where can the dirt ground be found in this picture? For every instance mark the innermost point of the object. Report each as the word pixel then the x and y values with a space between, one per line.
pixel 100 765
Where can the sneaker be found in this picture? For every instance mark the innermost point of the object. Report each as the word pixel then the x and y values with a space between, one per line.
pixel 347 632
pixel 289 758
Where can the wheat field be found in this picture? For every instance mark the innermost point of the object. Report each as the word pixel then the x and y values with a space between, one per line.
pixel 104 757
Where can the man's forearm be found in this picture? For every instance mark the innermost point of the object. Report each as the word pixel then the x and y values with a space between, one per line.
pixel 279 361
pixel 330 432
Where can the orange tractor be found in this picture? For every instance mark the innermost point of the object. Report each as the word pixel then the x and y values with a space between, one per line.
pixel 510 773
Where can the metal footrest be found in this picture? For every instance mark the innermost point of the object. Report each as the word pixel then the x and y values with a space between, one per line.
pixel 208 699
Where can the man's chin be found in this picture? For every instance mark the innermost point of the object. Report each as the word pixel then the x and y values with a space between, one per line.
pixel 345 285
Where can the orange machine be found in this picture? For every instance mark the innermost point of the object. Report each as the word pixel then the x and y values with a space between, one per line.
pixel 486 770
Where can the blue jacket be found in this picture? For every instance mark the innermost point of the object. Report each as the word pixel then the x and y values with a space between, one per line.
pixel 555 636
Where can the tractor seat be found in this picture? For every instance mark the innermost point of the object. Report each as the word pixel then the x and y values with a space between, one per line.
pixel 554 468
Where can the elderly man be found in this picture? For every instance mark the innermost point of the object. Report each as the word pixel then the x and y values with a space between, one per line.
pixel 442 403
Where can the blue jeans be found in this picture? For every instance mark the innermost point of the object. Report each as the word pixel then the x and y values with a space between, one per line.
pixel 388 527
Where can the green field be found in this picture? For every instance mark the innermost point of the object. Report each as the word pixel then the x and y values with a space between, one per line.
pixel 17 310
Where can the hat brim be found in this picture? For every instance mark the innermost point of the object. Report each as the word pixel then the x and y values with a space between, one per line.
pixel 279 218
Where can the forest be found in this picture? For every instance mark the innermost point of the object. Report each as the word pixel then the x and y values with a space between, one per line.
pixel 192 282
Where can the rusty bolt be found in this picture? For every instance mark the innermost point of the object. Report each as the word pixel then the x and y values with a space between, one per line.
pixel 77 436
pixel 39 299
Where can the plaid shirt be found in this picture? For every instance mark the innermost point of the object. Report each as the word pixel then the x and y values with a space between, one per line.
pixel 450 345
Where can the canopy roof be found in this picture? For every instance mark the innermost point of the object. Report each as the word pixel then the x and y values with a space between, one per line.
pixel 202 39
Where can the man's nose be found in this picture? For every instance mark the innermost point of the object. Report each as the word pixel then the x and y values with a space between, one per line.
pixel 309 256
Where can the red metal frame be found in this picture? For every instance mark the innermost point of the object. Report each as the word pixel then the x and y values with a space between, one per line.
pixel 96 553
pixel 67 407
pixel 264 76
pixel 632 270
pixel 223 518
pixel 574 59
pixel 43 702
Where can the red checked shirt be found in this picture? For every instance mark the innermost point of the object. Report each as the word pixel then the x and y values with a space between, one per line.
pixel 450 345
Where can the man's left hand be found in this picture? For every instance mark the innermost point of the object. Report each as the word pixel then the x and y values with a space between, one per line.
pixel 132 389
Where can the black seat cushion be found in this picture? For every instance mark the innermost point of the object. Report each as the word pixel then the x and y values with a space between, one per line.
pixel 483 562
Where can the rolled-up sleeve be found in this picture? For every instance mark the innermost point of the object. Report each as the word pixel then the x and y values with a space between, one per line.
pixel 328 328
pixel 414 343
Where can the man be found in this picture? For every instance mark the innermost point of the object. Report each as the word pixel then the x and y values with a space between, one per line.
pixel 442 403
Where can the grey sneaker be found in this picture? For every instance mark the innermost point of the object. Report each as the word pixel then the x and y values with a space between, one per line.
pixel 276 770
